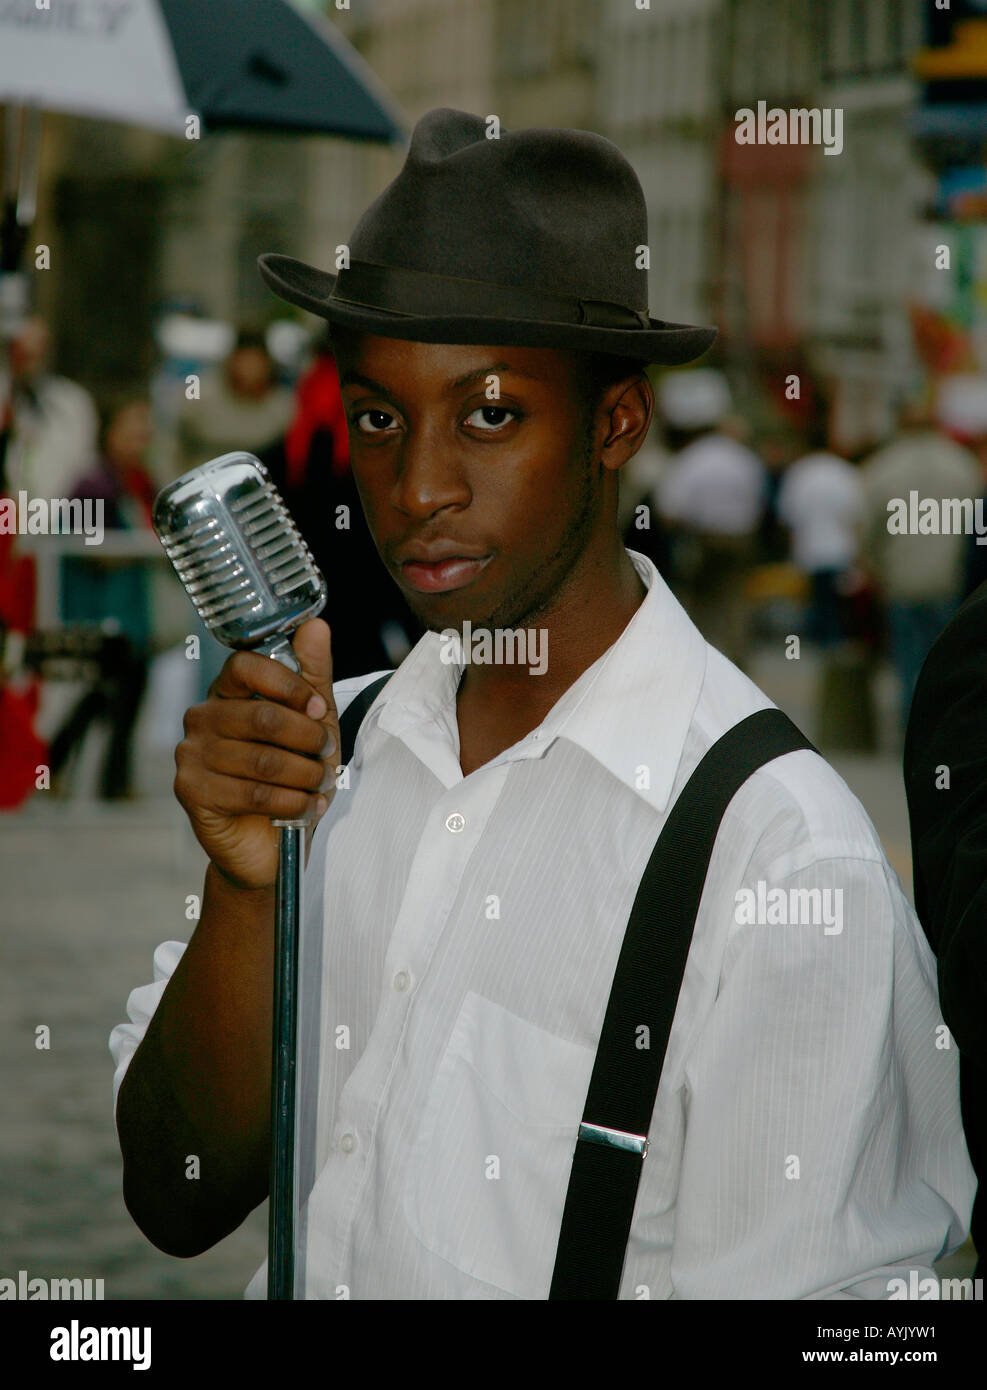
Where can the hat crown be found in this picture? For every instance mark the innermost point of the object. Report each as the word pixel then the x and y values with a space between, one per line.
pixel 528 237
pixel 538 208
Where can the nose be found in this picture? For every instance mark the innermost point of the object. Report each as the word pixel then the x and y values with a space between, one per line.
pixel 429 475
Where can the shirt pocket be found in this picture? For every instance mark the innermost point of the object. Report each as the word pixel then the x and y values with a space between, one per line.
pixel 489 1167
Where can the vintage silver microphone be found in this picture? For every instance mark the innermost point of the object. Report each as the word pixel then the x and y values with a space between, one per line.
pixel 253 581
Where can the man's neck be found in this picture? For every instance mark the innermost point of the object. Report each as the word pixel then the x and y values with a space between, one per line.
pixel 585 623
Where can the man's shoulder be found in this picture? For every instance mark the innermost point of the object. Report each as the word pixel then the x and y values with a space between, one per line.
pixel 795 809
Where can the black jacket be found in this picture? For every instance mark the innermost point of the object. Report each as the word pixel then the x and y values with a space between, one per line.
pixel 947 739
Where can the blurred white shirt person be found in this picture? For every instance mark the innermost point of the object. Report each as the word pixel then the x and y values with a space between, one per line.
pixel 55 422
pixel 821 501
pixel 713 494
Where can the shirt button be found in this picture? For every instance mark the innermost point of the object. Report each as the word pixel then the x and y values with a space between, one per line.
pixel 455 822
pixel 402 980
pixel 348 1143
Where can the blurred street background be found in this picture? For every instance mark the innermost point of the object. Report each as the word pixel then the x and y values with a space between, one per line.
pixel 850 293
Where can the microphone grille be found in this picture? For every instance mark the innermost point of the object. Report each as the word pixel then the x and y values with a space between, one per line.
pixel 237 551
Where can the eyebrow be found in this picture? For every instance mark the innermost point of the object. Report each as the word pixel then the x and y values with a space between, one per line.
pixel 351 378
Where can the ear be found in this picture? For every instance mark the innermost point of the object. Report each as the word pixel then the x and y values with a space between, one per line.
pixel 627 410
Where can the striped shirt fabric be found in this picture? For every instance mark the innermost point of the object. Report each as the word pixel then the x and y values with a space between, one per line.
pixel 459 942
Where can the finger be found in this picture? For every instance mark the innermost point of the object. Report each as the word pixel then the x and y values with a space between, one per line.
pixel 312 646
pixel 249 673
pixel 262 762
pixel 237 796
pixel 259 721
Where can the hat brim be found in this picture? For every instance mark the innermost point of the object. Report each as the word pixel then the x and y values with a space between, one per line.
pixel 670 344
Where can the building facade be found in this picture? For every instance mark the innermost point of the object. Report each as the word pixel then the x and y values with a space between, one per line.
pixel 804 261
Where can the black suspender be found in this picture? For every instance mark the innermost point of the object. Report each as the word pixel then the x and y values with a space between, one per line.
pixel 612 1140
pixel 611 1145
pixel 352 716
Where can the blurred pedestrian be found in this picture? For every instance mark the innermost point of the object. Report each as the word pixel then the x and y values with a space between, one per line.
pixel 241 406
pixel 48 424
pixel 948 822
pixel 918 574
pixel 113 594
pixel 821 502
pixel 778 447
pixel 714 495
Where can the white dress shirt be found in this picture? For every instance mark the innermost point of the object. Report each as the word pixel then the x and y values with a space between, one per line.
pixel 465 932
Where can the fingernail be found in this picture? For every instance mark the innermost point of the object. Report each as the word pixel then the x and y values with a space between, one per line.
pixel 316 707
pixel 321 806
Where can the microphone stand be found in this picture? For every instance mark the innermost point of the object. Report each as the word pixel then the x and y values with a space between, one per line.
pixel 282 1201
pixel 252 580
pixel 282 1205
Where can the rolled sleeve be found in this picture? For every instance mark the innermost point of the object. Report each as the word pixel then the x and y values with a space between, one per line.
pixel 824 1153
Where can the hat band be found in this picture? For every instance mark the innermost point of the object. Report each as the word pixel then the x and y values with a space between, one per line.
pixel 418 293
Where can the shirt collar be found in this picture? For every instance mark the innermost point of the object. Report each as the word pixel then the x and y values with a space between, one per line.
pixel 630 710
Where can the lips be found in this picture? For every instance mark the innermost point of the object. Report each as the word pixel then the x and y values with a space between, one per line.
pixel 443 575
pixel 440 550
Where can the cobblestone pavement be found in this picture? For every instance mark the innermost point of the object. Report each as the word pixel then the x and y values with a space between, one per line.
pixel 88 892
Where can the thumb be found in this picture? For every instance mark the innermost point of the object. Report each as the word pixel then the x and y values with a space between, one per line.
pixel 312 645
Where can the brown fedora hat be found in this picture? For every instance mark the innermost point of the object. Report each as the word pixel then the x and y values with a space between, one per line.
pixel 532 238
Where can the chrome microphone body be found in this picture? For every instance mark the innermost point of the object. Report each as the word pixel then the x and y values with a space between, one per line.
pixel 253 581
pixel 240 556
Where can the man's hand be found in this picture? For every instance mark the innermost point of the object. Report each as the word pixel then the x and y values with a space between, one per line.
pixel 264 744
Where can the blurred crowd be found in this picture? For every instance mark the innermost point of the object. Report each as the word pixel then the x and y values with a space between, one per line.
pixel 117 611
pixel 734 522
pixel 743 525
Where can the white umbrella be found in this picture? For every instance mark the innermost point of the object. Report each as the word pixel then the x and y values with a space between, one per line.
pixel 248 65
pixel 243 63
pixel 109 61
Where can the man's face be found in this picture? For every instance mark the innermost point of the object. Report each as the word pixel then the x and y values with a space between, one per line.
pixel 483 450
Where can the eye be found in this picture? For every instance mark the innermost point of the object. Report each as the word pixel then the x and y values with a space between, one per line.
pixel 380 421
pixel 491 417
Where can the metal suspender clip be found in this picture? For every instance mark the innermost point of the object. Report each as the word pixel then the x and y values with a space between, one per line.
pixel 614 1138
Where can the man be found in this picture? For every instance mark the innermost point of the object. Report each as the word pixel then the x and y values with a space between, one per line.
pixel 471 875
pixel 242 406
pixel 945 767
pixel 714 494
pixel 821 502
pixel 94 594
pixel 920 576
pixel 48 424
